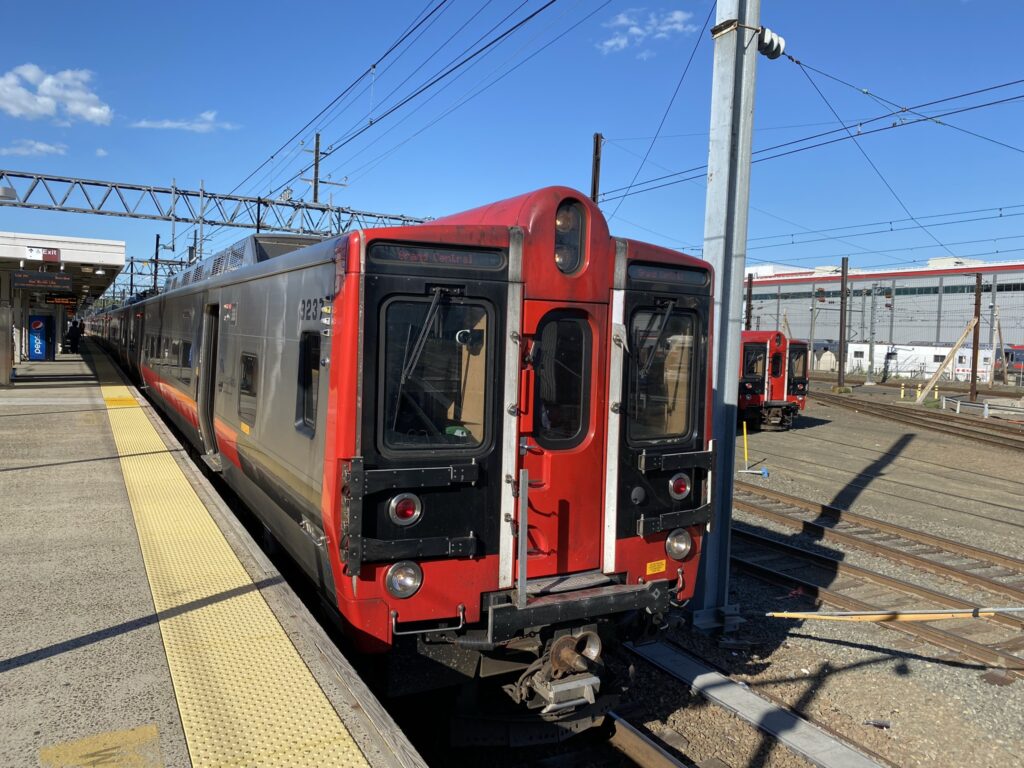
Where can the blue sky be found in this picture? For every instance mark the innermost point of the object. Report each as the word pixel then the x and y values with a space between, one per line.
pixel 144 93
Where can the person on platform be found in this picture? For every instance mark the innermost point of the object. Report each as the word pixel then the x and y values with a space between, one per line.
pixel 74 336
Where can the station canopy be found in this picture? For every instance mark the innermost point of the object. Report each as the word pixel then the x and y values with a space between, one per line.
pixel 73 271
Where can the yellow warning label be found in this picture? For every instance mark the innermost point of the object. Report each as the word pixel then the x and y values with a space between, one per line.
pixel 245 427
pixel 655 566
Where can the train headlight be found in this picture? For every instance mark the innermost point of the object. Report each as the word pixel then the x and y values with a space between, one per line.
pixel 678 544
pixel 569 231
pixel 405 509
pixel 679 486
pixel 403 579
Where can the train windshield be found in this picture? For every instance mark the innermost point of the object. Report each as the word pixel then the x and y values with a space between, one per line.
pixel 435 373
pixel 754 356
pixel 661 374
pixel 797 362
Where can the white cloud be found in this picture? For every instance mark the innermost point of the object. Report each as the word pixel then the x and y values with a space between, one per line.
pixel 30 147
pixel 30 92
pixel 101 152
pixel 632 28
pixel 206 122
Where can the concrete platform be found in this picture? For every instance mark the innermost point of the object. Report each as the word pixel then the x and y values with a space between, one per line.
pixel 116 648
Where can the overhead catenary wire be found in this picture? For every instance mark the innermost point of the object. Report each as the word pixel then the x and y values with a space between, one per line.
pixel 871 162
pixel 860 124
pixel 425 87
pixel 380 158
pixel 812 146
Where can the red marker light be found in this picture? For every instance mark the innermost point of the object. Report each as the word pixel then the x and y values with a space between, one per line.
pixel 405 509
pixel 679 486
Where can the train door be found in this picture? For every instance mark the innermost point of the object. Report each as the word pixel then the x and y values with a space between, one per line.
pixel 776 382
pixel 561 445
pixel 797 370
pixel 206 380
pixel 755 368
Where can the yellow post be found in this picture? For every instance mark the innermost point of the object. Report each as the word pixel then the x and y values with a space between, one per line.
pixel 903 389
pixel 746 462
pixel 936 392
pixel 918 391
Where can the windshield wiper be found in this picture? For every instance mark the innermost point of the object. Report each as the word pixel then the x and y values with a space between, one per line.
pixel 661 337
pixel 421 339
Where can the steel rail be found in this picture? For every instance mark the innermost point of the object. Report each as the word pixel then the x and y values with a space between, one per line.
pixel 845 515
pixel 906 558
pixel 991 435
pixel 638 746
pixel 855 571
pixel 988 655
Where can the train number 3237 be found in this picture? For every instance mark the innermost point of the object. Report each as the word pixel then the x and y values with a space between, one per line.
pixel 311 309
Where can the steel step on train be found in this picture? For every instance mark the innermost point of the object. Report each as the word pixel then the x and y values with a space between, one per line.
pixel 486 438
pixel 773 379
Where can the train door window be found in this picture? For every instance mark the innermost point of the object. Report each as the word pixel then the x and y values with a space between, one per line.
pixel 661 374
pixel 247 389
pixel 754 360
pixel 309 381
pixel 776 364
pixel 435 373
pixel 175 358
pixel 561 362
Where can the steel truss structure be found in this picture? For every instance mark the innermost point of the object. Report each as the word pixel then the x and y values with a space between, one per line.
pixel 139 201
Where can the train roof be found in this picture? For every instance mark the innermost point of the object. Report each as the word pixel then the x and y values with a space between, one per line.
pixel 250 250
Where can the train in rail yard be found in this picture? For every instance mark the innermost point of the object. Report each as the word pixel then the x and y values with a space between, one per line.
pixel 485 438
pixel 773 379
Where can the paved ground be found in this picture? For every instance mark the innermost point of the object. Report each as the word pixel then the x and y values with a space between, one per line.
pixel 81 657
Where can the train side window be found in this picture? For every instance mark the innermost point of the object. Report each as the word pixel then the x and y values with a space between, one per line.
pixel 247 389
pixel 186 362
pixel 561 360
pixel 309 381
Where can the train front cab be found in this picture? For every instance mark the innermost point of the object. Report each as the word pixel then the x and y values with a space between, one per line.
pixel 532 454
pixel 765 386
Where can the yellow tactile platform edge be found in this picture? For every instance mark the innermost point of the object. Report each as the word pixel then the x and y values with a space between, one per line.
pixel 244 694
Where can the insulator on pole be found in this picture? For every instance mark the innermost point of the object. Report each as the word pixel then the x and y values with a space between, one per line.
pixel 770 44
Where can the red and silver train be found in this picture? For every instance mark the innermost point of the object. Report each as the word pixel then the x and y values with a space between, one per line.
pixel 486 438
pixel 773 379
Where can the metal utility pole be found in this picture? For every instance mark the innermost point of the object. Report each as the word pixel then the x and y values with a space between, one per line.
pixel 595 168
pixel 814 317
pixel 750 301
pixel 870 378
pixel 976 339
pixel 842 320
pixel 892 315
pixel 725 243
pixel 156 261
pixel 316 169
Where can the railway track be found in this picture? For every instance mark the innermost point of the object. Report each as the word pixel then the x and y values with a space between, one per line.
pixel 997 641
pixel 986 431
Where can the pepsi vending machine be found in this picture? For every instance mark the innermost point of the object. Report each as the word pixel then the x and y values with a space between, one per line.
pixel 39 337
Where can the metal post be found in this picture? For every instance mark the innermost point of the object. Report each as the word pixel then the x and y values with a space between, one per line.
pixel 938 321
pixel 870 378
pixel 725 243
pixel 892 316
pixel 131 270
pixel 595 168
pixel 863 313
pixel 259 214
pixel 316 170
pixel 778 308
pixel 842 321
pixel 993 292
pixel 976 338
pixel 202 216
pixel 814 317
pixel 522 536
pixel 156 262
pixel 750 301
